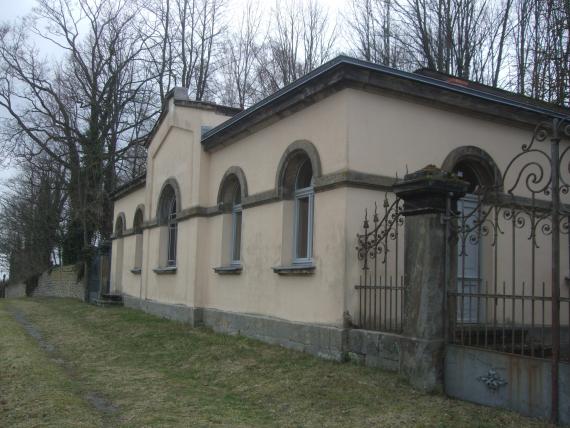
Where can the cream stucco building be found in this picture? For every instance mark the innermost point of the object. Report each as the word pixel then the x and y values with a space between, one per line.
pixel 247 221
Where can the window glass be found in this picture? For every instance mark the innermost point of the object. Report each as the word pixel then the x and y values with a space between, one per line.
pixel 304 175
pixel 138 221
pixel 303 218
pixel 172 232
pixel 236 249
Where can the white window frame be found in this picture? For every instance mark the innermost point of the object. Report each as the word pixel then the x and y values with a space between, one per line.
pixel 236 209
pixel 307 192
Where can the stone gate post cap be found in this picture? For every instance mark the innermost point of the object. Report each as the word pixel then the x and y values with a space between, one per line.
pixel 427 189
pixel 432 178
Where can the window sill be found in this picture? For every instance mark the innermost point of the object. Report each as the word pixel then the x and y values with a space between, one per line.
pixel 165 270
pixel 136 271
pixel 300 269
pixel 229 270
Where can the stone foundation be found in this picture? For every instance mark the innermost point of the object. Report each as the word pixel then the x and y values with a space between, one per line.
pixel 371 348
pixel 14 291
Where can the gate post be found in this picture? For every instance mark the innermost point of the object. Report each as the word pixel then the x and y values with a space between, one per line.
pixel 425 194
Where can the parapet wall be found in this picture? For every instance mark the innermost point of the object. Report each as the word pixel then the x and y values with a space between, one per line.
pixel 60 282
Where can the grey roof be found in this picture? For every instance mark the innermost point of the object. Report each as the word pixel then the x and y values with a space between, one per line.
pixel 351 65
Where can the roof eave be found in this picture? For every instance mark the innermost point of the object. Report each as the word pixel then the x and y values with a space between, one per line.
pixel 349 72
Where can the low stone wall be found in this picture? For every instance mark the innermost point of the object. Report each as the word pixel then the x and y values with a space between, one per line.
pixel 13 291
pixel 60 282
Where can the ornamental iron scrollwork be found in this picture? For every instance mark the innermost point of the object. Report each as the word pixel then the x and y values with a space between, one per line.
pixel 374 242
pixel 492 380
pixel 381 287
pixel 508 298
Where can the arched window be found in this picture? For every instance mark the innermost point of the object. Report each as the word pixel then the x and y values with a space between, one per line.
pixel 138 231
pixel 476 167
pixel 297 172
pixel 296 187
pixel 168 207
pixel 304 196
pixel 119 226
pixel 229 199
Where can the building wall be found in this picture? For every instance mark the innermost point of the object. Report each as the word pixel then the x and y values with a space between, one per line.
pixel 390 136
pixel 122 279
pixel 372 134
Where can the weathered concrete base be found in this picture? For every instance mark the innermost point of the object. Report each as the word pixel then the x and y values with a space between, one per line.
pixel 528 381
pixel 320 340
pixel 181 313
pixel 371 348
pixel 375 348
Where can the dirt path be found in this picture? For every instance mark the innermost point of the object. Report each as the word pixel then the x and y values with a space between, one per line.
pixel 103 406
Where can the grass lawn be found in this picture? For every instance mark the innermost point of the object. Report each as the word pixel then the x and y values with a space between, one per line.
pixel 65 363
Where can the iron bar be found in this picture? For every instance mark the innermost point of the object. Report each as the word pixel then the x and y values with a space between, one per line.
pixel 555 183
pixel 504 314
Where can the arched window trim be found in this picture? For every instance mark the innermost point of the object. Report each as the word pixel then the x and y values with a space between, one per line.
pixel 120 225
pixel 168 208
pixel 161 213
pixel 138 220
pixel 233 173
pixel 480 162
pixel 299 149
pixel 231 193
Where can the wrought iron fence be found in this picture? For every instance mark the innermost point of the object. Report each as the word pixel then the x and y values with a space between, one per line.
pixel 381 285
pixel 504 261
pixel 505 302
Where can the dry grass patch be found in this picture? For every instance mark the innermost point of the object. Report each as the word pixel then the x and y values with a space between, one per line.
pixel 162 373
pixel 34 389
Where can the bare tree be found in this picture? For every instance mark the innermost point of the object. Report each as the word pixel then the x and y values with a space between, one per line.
pixel 82 112
pixel 31 213
pixel 445 35
pixel 183 43
pixel 239 53
pixel 374 33
pixel 302 38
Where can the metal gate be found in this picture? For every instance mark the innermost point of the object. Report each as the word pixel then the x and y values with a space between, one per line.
pixel 98 278
pixel 503 259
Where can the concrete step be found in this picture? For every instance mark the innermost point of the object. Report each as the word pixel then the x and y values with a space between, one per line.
pixel 108 300
pixel 112 297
